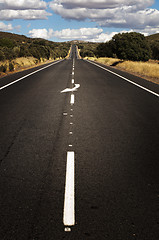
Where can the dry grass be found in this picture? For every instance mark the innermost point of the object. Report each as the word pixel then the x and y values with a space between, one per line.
pixel 78 52
pixel 68 55
pixel 22 63
pixel 144 68
pixel 148 70
pixel 107 61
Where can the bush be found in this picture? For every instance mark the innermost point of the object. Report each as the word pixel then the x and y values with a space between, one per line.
pixel 104 50
pixel 11 67
pixel 3 68
pixel 155 50
pixel 6 42
pixel 131 46
pixel 2 56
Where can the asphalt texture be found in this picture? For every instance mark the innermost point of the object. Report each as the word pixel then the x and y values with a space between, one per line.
pixel 115 137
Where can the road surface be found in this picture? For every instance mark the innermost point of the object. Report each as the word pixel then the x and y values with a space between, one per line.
pixel 81 163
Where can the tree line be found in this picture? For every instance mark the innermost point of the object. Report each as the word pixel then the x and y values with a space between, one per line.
pixel 15 46
pixel 126 46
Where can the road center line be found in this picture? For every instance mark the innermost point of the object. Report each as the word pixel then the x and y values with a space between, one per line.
pixel 146 89
pixel 19 79
pixel 72 101
pixel 69 202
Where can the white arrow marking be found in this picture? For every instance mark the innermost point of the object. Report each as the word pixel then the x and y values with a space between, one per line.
pixel 71 89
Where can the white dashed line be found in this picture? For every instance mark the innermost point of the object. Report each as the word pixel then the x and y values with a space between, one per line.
pixel 67 229
pixel 69 202
pixel 73 81
pixel 72 100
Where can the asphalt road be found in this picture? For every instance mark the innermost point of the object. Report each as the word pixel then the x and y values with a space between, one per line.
pixel 111 126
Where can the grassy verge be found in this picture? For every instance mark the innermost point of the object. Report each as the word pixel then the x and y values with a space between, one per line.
pixel 20 64
pixel 148 70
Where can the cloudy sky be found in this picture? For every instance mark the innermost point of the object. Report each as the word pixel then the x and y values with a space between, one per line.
pixel 89 20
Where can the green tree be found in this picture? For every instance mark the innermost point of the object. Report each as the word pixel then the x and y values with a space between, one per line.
pixel 155 49
pixel 2 55
pixel 6 42
pixel 104 50
pixel 131 46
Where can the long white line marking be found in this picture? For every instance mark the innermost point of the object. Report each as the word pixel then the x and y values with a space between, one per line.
pixel 69 202
pixel 72 100
pixel 7 85
pixel 146 89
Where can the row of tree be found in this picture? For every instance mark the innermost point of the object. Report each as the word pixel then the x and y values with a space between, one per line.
pixel 127 46
pixel 12 47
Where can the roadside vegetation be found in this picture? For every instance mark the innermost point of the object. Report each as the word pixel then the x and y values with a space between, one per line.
pixel 132 52
pixel 18 51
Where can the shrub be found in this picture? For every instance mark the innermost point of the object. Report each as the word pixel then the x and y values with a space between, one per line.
pixel 155 50
pixel 131 46
pixel 11 67
pixel 6 42
pixel 3 68
pixel 2 56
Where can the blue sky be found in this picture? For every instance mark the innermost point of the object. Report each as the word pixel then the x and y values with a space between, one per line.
pixel 93 20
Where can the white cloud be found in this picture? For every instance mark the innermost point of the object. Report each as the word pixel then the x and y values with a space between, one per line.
pixel 22 4
pixel 5 27
pixel 85 34
pixel 23 14
pixel 41 33
pixel 102 4
pixel 130 14
pixel 23 9
pixel 80 34
pixel 103 37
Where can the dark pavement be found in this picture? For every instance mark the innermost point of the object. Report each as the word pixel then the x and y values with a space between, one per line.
pixel 113 128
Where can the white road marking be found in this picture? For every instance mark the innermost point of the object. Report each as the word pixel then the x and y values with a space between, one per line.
pixel 70 145
pixel 67 229
pixel 71 123
pixel 71 116
pixel 65 114
pixel 73 73
pixel 19 79
pixel 71 89
pixel 146 89
pixel 72 100
pixel 70 133
pixel 73 81
pixel 69 202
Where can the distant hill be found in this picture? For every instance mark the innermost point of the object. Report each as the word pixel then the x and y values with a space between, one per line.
pixel 13 46
pixel 12 36
pixel 154 37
